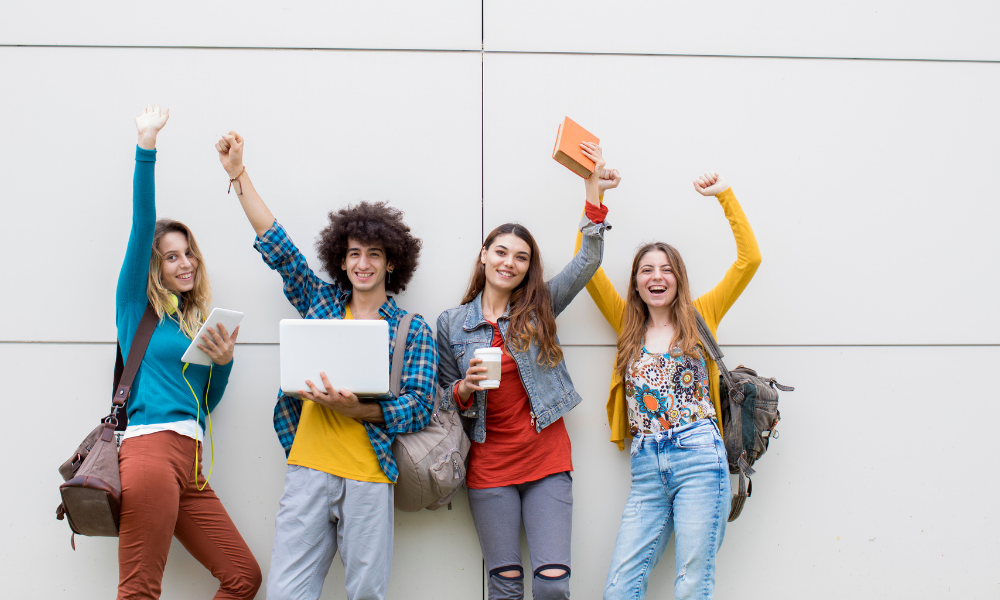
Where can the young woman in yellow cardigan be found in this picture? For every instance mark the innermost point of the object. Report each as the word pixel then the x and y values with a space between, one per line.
pixel 665 395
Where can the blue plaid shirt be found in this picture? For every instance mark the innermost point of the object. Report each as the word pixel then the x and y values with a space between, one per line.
pixel 317 299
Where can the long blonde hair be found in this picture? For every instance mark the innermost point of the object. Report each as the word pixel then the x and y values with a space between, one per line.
pixel 191 309
pixel 682 312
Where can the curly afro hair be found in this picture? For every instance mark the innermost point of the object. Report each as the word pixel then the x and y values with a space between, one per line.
pixel 371 223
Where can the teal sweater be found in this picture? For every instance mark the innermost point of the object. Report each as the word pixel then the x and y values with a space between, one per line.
pixel 159 394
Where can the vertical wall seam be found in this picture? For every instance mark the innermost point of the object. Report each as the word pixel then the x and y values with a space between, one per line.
pixel 482 142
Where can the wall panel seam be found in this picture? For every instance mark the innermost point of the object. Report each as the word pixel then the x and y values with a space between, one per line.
pixel 873 345
pixel 761 56
pixel 266 48
pixel 502 52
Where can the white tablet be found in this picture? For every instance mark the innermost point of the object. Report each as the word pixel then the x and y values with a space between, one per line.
pixel 229 319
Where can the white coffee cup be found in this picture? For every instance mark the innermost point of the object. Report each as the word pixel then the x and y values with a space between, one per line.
pixel 491 360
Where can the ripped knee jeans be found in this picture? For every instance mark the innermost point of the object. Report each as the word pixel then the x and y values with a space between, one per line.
pixel 680 486
pixel 546 507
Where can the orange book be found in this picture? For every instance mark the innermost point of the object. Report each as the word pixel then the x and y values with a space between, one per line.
pixel 567 150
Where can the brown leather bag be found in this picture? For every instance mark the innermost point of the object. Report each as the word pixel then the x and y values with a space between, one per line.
pixel 91 494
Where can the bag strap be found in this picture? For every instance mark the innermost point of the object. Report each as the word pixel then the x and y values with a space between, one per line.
pixel 126 374
pixel 398 354
pixel 714 351
pixel 734 430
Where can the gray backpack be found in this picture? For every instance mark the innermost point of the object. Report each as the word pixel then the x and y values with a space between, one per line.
pixel 431 461
pixel 749 416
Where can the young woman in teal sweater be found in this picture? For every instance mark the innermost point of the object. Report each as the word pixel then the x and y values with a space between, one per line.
pixel 164 493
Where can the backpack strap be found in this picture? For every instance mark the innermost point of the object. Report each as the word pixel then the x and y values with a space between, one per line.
pixel 734 430
pixel 398 354
pixel 715 352
pixel 125 373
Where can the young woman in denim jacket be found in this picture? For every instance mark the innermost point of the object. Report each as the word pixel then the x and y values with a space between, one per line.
pixel 520 460
pixel 665 394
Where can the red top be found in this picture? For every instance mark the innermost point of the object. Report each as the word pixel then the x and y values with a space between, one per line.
pixel 514 452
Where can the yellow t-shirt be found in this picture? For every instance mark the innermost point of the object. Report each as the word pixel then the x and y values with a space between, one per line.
pixel 332 443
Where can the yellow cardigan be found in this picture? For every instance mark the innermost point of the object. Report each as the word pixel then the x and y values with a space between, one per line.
pixel 712 305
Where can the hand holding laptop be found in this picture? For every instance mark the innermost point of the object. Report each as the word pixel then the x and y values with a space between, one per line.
pixel 343 401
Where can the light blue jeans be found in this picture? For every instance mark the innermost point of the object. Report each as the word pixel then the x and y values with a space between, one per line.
pixel 680 485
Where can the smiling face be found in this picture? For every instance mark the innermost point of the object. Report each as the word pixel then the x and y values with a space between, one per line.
pixel 506 262
pixel 179 265
pixel 366 266
pixel 655 280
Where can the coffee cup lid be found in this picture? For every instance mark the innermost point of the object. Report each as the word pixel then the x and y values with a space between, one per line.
pixel 488 351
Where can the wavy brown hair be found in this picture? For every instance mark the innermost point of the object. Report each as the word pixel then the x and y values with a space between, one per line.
pixel 370 223
pixel 682 312
pixel 530 315
pixel 192 306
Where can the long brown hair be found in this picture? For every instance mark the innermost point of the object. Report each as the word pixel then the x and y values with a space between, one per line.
pixel 530 304
pixel 192 309
pixel 682 312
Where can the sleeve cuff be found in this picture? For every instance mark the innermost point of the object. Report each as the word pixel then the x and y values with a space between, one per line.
pixel 596 214
pixel 223 369
pixel 726 194
pixel 272 245
pixel 592 229
pixel 458 399
pixel 143 155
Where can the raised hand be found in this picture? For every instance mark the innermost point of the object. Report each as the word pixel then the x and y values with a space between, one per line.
pixel 610 179
pixel 219 346
pixel 594 153
pixel 711 184
pixel 230 148
pixel 149 123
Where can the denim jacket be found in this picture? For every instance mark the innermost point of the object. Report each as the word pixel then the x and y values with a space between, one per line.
pixel 462 330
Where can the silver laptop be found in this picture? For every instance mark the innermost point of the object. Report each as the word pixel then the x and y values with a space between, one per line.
pixel 353 354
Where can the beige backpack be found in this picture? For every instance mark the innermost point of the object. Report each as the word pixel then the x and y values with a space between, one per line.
pixel 431 461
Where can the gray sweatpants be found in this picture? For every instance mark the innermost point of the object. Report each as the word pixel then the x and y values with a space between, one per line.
pixel 320 513
pixel 546 507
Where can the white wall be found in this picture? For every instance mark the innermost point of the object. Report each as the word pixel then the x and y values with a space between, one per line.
pixel 868 183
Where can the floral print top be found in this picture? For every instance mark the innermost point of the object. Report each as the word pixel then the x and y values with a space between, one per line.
pixel 666 391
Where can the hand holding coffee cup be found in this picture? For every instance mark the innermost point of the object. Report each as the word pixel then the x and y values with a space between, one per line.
pixel 486 376
pixel 472 378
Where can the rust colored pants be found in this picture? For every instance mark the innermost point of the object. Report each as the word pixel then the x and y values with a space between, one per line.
pixel 160 501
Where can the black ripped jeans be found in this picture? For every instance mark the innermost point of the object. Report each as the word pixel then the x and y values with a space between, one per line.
pixel 546 508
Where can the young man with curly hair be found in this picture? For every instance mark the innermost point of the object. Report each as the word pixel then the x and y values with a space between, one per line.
pixel 339 482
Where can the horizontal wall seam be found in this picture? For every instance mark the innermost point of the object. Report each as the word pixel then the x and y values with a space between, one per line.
pixel 501 52
pixel 91 343
pixel 277 48
pixel 763 56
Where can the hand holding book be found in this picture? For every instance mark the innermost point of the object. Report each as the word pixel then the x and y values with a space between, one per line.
pixel 601 179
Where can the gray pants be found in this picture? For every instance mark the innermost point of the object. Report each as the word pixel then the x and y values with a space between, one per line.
pixel 546 507
pixel 320 513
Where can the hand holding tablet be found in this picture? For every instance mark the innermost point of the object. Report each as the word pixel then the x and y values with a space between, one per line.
pixel 224 325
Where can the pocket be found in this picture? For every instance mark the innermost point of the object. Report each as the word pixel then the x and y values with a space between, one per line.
pixel 295 478
pixel 700 438
pixel 636 444
pixel 448 474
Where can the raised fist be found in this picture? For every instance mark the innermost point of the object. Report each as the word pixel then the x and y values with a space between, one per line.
pixel 711 184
